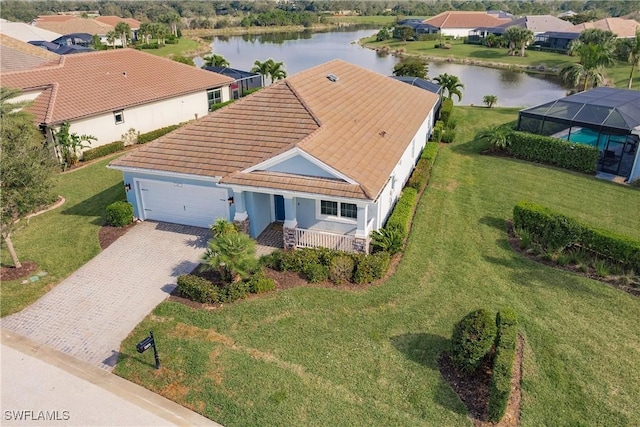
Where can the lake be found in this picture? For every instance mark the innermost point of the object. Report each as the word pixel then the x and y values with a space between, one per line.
pixel 300 51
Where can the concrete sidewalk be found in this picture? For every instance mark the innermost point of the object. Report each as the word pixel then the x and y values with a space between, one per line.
pixel 46 387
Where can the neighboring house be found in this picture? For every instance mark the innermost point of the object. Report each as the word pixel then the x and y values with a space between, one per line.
pixel 567 14
pixel 67 24
pixel 25 32
pixel 555 40
pixel 74 39
pixel 67 44
pixel 459 23
pixel 106 93
pixel 418 26
pixel 114 20
pixel 604 117
pixel 622 28
pixel 244 80
pixel 16 55
pixel 326 151
pixel 537 24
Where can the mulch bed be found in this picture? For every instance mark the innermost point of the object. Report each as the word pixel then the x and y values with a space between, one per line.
pixel 473 389
pixel 11 273
pixel 590 273
pixel 108 234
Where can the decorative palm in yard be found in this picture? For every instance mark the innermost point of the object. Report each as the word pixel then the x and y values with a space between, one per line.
pixel 517 38
pixel 275 70
pixel 124 30
pixel 451 85
pixel 231 253
pixel 490 100
pixel 590 68
pixel 214 60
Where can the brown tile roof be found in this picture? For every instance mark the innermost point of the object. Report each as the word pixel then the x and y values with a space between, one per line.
pixel 622 28
pixel 54 18
pixel 16 55
pixel 359 125
pixel 463 19
pixel 73 25
pixel 113 21
pixel 91 83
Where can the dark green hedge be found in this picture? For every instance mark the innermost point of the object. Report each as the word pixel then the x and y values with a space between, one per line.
pixel 103 150
pixel 438 130
pixel 150 136
pixel 505 354
pixel 402 214
pixel 553 151
pixel 446 110
pixel 555 231
pixel 119 214
pixel 198 289
pixel 472 339
pixel 420 175
pixel 219 105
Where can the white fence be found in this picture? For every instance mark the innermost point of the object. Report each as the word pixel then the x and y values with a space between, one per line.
pixel 321 239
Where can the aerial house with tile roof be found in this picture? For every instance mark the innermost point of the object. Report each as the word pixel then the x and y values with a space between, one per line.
pixel 106 93
pixel 326 152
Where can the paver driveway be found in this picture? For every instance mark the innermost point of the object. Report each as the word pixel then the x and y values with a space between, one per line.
pixel 94 309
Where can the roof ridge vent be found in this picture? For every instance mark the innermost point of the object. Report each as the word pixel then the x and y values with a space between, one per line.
pixel 332 77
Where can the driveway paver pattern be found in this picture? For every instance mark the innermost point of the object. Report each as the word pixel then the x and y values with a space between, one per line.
pixel 89 313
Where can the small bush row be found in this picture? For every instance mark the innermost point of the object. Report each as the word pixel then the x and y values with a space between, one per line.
pixel 102 151
pixel 219 105
pixel 143 138
pixel 148 46
pixel 321 264
pixel 553 151
pixel 400 218
pixel 202 290
pixel 438 130
pixel 420 176
pixel 555 232
pixel 446 111
pixel 119 214
pixel 504 357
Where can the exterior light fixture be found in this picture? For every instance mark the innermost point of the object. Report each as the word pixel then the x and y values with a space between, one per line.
pixel 230 200
pixel 127 187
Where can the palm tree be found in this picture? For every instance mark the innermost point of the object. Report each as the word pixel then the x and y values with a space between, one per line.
pixel 145 31
pixel 111 38
pixel 262 68
pixel 232 254
pixel 589 69
pixel 451 85
pixel 498 136
pixel 214 60
pixel 634 56
pixel 517 37
pixel 124 30
pixel 7 107
pixel 276 70
pixel 490 100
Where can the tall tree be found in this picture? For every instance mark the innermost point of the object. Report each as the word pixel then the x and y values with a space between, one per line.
pixel 111 38
pixel 634 56
pixel 276 70
pixel 451 85
pixel 213 60
pixel 124 30
pixel 27 168
pixel 262 68
pixel 412 67
pixel 590 68
pixel 171 19
pixel 517 38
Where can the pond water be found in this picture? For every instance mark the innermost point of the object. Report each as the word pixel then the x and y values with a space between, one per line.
pixel 300 51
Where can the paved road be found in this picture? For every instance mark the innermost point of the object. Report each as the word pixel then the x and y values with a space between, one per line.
pixel 44 387
pixel 94 309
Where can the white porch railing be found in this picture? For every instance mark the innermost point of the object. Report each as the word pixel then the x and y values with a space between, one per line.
pixel 321 239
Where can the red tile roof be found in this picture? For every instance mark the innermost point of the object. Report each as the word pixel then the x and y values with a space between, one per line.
pixel 114 20
pixel 463 19
pixel 360 125
pixel 73 25
pixel 87 84
pixel 16 55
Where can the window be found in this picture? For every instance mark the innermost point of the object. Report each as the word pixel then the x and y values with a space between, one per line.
pixel 214 96
pixel 338 210
pixel 119 116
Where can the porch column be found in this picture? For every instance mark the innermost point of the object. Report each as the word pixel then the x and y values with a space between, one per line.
pixel 290 223
pixel 241 218
pixel 361 241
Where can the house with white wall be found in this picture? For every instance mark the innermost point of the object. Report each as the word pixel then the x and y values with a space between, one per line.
pixel 107 93
pixel 457 23
pixel 326 152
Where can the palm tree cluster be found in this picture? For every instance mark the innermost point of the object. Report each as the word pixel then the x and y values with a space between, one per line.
pixel 275 70
pixel 595 48
pixel 517 38
pixel 153 30
pixel 214 60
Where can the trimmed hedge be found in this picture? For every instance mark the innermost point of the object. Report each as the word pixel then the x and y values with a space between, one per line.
pixel 402 214
pixel 502 373
pixel 219 105
pixel 553 151
pixel 102 151
pixel 446 110
pixel 370 267
pixel 420 176
pixel 119 214
pixel 198 289
pixel 143 138
pixel 555 231
pixel 473 338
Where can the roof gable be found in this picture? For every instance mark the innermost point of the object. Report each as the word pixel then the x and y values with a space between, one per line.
pixel 97 82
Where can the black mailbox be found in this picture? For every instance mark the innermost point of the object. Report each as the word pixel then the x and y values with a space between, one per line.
pixel 144 345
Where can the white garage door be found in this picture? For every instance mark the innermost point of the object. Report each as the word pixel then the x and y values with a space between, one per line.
pixel 182 203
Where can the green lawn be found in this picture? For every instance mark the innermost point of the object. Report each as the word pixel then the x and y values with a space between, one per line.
pixel 183 46
pixel 317 357
pixel 62 240
pixel 619 73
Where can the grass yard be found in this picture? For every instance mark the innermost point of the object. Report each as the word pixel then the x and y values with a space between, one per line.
pixel 62 240
pixel 317 356
pixel 183 47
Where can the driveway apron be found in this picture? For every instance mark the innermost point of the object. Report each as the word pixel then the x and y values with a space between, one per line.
pixel 88 314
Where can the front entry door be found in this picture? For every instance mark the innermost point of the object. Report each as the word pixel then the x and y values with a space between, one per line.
pixel 279 206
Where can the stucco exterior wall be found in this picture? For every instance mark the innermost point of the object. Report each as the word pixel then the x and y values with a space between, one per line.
pixel 260 211
pixel 144 118
pixel 456 32
pixel 300 166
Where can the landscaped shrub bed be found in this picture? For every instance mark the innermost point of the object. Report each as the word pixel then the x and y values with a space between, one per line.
pixel 203 290
pixel 420 176
pixel 321 264
pixel 502 373
pixel 556 232
pixel 143 138
pixel 119 214
pixel 400 218
pixel 438 129
pixel 472 340
pixel 553 151
pixel 103 150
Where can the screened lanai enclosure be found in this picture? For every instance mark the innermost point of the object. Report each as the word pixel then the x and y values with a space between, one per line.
pixel 607 118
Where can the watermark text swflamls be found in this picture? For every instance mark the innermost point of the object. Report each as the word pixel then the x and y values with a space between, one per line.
pixel 31 415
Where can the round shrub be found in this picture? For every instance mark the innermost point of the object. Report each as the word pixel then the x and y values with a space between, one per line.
pixel 198 289
pixel 473 337
pixel 119 214
pixel 316 273
pixel 341 269
pixel 260 283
